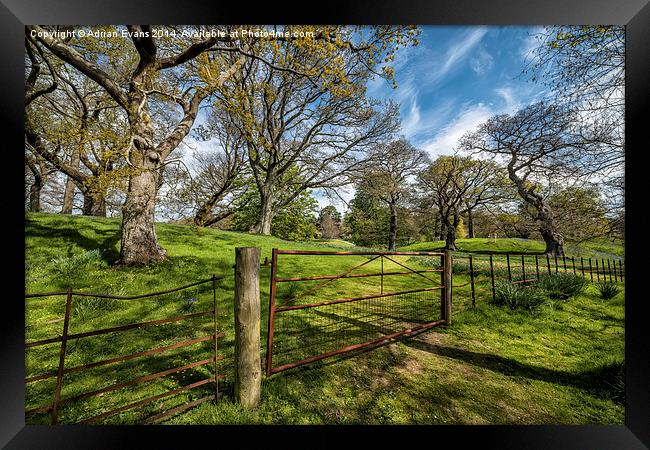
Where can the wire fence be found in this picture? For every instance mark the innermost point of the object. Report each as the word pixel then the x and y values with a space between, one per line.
pixel 475 275
pixel 101 351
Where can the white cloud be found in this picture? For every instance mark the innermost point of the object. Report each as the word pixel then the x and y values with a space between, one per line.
pixel 507 94
pixel 446 140
pixel 460 51
pixel 412 121
pixel 482 62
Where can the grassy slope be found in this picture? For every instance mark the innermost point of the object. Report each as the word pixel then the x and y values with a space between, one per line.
pixel 514 245
pixel 491 366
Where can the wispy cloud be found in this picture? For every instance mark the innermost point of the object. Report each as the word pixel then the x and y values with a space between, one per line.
pixel 458 52
pixel 507 94
pixel 446 140
pixel 482 62
pixel 412 120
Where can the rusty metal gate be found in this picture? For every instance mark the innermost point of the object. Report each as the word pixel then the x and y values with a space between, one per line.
pixel 204 294
pixel 395 296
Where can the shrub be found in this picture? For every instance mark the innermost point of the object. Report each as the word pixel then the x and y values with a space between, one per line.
pixel 71 270
pixel 290 292
pixel 607 289
pixel 188 305
pixel 458 267
pixel 561 286
pixel 517 297
pixel 610 378
pixel 88 307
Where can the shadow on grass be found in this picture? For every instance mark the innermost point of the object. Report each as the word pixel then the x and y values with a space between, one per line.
pixel 603 380
pixel 106 241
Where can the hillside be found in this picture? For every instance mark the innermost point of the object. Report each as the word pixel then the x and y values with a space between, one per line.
pixel 561 365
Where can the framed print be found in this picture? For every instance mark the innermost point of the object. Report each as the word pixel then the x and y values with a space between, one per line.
pixel 405 220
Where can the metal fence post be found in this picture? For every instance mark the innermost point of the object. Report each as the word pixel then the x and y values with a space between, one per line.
pixel 59 373
pixel 248 373
pixel 620 268
pixel 269 338
pixel 609 270
pixel 492 277
pixel 445 304
pixel 471 278
pixel 216 337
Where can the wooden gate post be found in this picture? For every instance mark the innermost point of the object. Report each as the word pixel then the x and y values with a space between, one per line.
pixel 248 369
pixel 445 298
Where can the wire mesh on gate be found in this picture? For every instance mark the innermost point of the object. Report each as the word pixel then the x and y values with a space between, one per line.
pixel 315 322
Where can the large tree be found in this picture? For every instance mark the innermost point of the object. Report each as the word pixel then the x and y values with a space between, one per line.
pixel 389 173
pixel 329 222
pixel 158 67
pixel 456 185
pixel 208 185
pixel 76 128
pixel 539 146
pixel 307 107
pixel 584 67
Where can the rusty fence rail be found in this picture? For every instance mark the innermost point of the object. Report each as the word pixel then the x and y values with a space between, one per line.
pixel 54 407
pixel 304 333
pixel 478 274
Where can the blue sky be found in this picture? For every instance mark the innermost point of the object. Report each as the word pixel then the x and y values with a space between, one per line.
pixel 456 79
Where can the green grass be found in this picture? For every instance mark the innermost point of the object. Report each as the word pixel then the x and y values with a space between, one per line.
pixel 595 249
pixel 554 365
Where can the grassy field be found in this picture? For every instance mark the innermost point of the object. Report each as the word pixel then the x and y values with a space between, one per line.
pixel 559 365
pixel 599 249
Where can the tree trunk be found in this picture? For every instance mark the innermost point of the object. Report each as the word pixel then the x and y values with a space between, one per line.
pixel 450 238
pixel 552 237
pixel 443 228
pixel 68 195
pixel 139 241
pixel 265 219
pixel 94 205
pixel 547 227
pixel 392 235
pixel 202 215
pixel 470 224
pixel 35 195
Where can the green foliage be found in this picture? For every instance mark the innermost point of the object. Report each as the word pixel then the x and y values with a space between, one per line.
pixel 607 289
pixel 561 286
pixel 612 377
pixel 289 291
pixel 367 220
pixel 188 305
pixel 294 222
pixel 517 297
pixel 461 231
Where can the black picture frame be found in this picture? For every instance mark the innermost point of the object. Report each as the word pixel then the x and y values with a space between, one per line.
pixel 635 14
